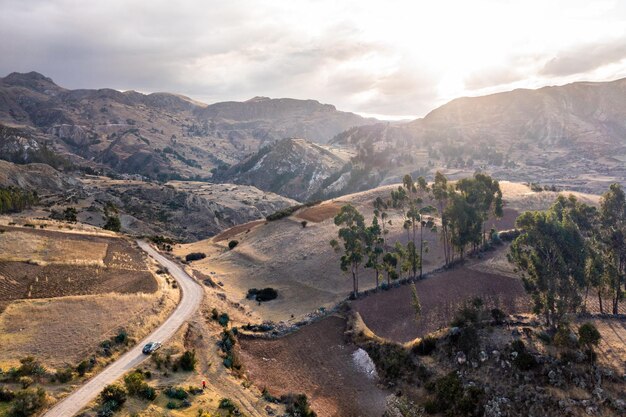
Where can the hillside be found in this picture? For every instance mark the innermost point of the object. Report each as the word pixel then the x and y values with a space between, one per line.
pixel 291 167
pixel 300 263
pixel 571 136
pixel 159 135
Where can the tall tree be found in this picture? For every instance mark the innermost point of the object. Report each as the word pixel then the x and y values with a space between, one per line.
pixel 440 193
pixel 352 233
pixel 482 193
pixel 374 248
pixel 613 231
pixel 550 252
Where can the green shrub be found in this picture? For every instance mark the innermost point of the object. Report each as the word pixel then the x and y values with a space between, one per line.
pixel 392 360
pixel 588 335
pixel 177 393
pixel 447 389
pixel 83 367
pixel 298 406
pixel 564 338
pixel 171 405
pixel 6 394
pixel 25 381
pixel 27 402
pixel 232 244
pixel 113 223
pixel 227 404
pixel 29 366
pixel 223 319
pixel 498 315
pixel 265 294
pixel 134 382
pixel 121 338
pixel 64 375
pixel 188 361
pixel 114 395
pixel 147 392
pixel 194 256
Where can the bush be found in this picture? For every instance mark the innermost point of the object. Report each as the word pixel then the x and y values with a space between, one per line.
pixel 83 367
pixel 466 340
pixel 447 389
pixel 265 294
pixel 498 315
pixel 25 381
pixel 147 392
pixel 188 361
pixel 392 360
pixel 565 338
pixel 113 396
pixel 6 394
pixel 223 319
pixel 64 375
pixel 588 335
pixel 28 401
pixel 121 337
pixel 29 366
pixel 171 405
pixel 134 382
pixel 425 346
pixel 195 256
pixel 465 316
pixel 232 244
pixel 227 404
pixel 304 223
pixel 298 406
pixel 113 223
pixel 525 361
pixel 177 393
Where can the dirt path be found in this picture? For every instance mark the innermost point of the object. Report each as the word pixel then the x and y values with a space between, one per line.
pixel 192 295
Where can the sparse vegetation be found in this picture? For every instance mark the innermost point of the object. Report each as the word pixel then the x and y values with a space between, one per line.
pixel 195 256
pixel 232 244
pixel 262 295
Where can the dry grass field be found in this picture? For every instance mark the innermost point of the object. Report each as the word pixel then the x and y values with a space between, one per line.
pixel 65 292
pixel 300 263
pixel 66 330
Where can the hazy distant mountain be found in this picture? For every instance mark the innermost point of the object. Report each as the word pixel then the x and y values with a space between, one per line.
pixel 572 135
pixel 157 135
pixel 579 115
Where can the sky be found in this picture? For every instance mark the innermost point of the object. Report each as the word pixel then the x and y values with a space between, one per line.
pixel 392 59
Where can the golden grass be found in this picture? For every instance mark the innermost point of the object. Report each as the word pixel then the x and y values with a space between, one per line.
pixel 16 245
pixel 68 329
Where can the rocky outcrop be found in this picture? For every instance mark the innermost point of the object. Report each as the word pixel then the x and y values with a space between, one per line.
pixel 294 168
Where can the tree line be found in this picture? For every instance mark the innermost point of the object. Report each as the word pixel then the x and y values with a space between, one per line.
pixel 463 207
pixel 14 199
pixel 571 252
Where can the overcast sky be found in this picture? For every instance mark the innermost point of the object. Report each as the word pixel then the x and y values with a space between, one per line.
pixel 391 58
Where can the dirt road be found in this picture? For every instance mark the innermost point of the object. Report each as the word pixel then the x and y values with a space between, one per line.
pixel 192 294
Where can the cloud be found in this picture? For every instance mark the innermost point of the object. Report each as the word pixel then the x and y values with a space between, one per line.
pixel 585 58
pixel 393 58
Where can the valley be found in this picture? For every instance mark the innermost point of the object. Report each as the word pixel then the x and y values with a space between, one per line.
pixel 334 265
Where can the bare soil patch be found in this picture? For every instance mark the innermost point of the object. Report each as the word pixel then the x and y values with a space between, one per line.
pixel 390 314
pixel 316 360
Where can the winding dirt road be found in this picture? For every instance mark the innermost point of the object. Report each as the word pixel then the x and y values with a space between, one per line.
pixel 192 294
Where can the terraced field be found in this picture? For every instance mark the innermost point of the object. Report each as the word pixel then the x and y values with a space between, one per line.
pixel 52 270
